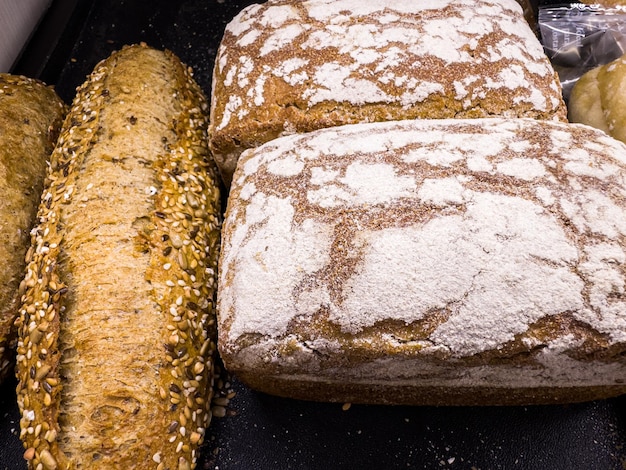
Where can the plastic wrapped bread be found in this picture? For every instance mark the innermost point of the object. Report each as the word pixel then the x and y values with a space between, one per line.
pixel 438 262
pixel 288 66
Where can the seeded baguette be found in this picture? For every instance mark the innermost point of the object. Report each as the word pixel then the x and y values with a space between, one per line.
pixel 31 115
pixel 117 328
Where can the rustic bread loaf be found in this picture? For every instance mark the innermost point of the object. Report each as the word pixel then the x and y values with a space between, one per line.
pixel 599 99
pixel 439 262
pixel 31 114
pixel 116 332
pixel 290 66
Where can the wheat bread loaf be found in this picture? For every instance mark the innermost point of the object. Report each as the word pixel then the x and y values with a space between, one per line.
pixel 428 262
pixel 116 331
pixel 288 66
pixel 31 114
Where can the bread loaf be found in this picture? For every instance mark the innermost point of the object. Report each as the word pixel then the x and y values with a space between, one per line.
pixel 437 262
pixel 288 66
pixel 599 99
pixel 116 332
pixel 31 114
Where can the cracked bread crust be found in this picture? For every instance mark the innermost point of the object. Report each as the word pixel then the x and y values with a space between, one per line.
pixel 295 66
pixel 476 261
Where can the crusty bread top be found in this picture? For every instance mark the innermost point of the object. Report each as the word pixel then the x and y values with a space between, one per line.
pixel 31 115
pixel 287 66
pixel 440 238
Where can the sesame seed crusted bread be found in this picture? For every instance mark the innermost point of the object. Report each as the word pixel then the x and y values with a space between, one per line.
pixel 31 114
pixel 429 262
pixel 117 328
pixel 598 99
pixel 288 66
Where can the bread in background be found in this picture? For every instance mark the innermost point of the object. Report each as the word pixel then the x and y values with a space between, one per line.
pixel 428 262
pixel 598 99
pixel 31 115
pixel 290 66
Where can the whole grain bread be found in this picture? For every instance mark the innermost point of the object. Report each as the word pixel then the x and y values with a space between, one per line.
pixel 287 66
pixel 117 329
pixel 432 262
pixel 31 114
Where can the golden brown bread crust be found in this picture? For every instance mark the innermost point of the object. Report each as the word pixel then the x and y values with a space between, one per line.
pixel 598 99
pixel 460 261
pixel 31 114
pixel 294 66
pixel 117 331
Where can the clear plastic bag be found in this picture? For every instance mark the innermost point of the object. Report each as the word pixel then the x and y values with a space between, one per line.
pixel 579 37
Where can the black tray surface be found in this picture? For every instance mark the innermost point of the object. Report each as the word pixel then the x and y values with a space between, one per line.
pixel 262 432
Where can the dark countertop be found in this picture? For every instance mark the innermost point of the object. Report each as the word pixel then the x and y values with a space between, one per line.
pixel 268 433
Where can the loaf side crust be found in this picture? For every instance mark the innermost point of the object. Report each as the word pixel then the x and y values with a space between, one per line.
pixel 117 329
pixel 31 114
pixel 294 66
pixel 485 255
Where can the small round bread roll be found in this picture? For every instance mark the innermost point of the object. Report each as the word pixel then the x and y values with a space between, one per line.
pixel 599 99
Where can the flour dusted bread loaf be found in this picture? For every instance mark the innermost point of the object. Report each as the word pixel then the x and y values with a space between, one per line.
pixel 116 332
pixel 288 66
pixel 599 99
pixel 31 114
pixel 478 261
